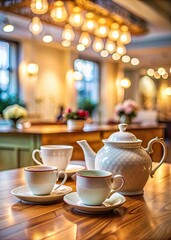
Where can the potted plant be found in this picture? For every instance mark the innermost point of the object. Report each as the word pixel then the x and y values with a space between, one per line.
pixel 76 118
pixel 126 111
pixel 14 113
pixel 88 105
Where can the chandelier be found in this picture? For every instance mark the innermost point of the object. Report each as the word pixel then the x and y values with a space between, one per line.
pixel 84 23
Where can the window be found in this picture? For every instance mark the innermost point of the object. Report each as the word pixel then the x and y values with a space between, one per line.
pixel 88 87
pixel 9 87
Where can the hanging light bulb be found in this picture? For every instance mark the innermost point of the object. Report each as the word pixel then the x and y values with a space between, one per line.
pixel 66 43
pixel 110 46
pixel 114 32
pixel 121 49
pixel 68 33
pixel 89 24
pixel 36 26
pixel 32 69
pixel 126 59
pixel 102 29
pixel 47 38
pixel 116 56
pixel 98 44
pixel 80 47
pixel 85 39
pixel 76 18
pixel 58 12
pixel 7 26
pixel 39 6
pixel 104 53
pixel 125 36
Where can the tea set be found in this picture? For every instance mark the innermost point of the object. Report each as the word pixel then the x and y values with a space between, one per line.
pixel 121 167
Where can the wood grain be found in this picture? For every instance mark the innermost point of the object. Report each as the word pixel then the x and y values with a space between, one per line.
pixel 144 217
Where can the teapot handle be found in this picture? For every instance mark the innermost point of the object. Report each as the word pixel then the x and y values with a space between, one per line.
pixel 150 151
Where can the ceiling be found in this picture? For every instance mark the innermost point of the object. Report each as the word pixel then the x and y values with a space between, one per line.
pixel 152 48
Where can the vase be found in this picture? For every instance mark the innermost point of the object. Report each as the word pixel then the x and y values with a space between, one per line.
pixel 75 124
pixel 125 119
pixel 14 123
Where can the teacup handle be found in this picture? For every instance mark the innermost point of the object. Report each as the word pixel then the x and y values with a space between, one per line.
pixel 34 158
pixel 122 182
pixel 64 180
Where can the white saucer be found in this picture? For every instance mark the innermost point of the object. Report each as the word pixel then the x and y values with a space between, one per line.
pixel 72 169
pixel 24 194
pixel 74 201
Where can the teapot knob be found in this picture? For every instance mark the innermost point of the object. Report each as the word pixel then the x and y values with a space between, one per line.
pixel 122 127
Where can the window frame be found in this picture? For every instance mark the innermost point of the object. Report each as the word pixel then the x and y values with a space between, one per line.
pixel 15 69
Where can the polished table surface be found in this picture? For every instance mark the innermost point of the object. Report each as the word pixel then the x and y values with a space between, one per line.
pixel 147 216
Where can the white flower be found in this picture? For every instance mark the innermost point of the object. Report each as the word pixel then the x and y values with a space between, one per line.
pixel 14 112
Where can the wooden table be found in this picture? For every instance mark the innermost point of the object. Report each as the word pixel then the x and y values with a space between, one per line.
pixel 146 217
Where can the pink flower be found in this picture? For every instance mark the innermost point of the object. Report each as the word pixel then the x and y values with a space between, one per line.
pixel 128 107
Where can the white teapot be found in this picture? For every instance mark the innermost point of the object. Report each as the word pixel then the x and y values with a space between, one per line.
pixel 123 154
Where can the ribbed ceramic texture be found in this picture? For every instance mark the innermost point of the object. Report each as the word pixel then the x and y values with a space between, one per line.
pixel 133 164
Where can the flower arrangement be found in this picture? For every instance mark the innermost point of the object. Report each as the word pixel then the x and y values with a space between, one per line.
pixel 14 112
pixel 79 114
pixel 128 108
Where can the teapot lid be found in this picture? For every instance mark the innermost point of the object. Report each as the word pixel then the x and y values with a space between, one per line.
pixel 122 135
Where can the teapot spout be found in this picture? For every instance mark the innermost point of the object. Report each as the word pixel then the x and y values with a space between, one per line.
pixel 89 154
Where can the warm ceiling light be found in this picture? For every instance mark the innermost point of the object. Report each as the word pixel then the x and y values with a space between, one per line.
pixel 80 47
pixel 135 61
pixel 150 72
pixel 66 43
pixel 98 44
pixel 32 69
pixel 157 75
pixel 114 32
pixel 47 38
pixel 165 76
pixel 161 71
pixel 77 76
pixel 76 18
pixel 85 39
pixel 89 24
pixel 110 46
pixel 68 33
pixel 104 53
pixel 58 12
pixel 126 59
pixel 116 56
pixel 168 91
pixel 39 6
pixel 125 36
pixel 36 26
pixel 125 83
pixel 8 28
pixel 102 29
pixel 121 49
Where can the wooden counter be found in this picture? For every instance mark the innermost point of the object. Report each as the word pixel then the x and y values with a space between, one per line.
pixel 16 146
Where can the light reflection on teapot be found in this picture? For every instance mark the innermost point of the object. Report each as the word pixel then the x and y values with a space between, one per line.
pixel 123 154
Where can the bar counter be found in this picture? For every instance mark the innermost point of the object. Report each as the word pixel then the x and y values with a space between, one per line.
pixel 143 217
pixel 16 145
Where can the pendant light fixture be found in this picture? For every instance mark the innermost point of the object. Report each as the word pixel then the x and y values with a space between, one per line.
pixel 36 26
pixel 39 6
pixel 58 12
pixel 7 27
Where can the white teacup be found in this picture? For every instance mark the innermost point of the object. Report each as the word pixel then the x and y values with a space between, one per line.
pixel 94 186
pixel 41 180
pixel 54 155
